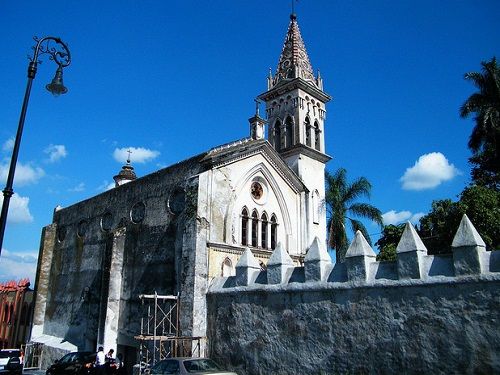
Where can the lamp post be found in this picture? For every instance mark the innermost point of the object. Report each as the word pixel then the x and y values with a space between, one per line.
pixel 58 52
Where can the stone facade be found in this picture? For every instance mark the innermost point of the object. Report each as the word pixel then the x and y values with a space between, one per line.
pixel 419 314
pixel 173 231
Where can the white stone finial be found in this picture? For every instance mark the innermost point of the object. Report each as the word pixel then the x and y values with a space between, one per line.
pixel 359 247
pixel 248 260
pixel 280 266
pixel 247 268
pixel 317 252
pixel 280 257
pixel 410 240
pixel 410 254
pixel 467 235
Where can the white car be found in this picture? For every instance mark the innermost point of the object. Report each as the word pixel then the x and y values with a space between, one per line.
pixel 11 361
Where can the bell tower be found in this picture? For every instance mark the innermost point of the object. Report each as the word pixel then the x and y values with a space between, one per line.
pixel 295 109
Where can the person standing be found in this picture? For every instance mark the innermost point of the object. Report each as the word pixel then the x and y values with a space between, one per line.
pixel 100 361
pixel 110 362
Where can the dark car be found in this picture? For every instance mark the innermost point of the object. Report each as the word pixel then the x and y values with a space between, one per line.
pixel 80 363
pixel 187 366
pixel 11 361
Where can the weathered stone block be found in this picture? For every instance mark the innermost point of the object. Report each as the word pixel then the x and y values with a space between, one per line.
pixel 317 263
pixel 410 252
pixel 280 266
pixel 468 249
pixel 358 258
pixel 247 269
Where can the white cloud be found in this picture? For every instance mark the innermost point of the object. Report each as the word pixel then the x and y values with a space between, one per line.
pixel 17 266
pixel 56 152
pixel 78 188
pixel 19 211
pixel 8 145
pixel 393 217
pixel 137 155
pixel 415 218
pixel 429 171
pixel 25 174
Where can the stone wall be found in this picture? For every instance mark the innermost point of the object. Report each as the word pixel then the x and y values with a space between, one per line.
pixel 100 254
pixel 420 314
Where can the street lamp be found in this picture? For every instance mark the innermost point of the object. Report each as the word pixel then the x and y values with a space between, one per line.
pixel 58 51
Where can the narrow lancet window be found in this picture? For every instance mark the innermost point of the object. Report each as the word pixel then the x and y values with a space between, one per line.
pixel 274 232
pixel 317 142
pixel 289 131
pixel 277 135
pixel 255 228
pixel 264 225
pixel 244 227
pixel 307 126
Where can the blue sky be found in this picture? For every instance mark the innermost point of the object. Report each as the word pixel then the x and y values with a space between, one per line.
pixel 170 79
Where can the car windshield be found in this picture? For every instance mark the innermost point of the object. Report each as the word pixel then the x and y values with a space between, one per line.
pixel 9 353
pixel 67 358
pixel 197 365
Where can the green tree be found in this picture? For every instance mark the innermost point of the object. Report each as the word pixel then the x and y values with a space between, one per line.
pixel 388 241
pixel 482 206
pixel 439 226
pixel 340 199
pixel 485 137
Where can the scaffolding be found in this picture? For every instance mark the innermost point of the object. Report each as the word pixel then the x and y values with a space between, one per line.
pixel 32 355
pixel 159 337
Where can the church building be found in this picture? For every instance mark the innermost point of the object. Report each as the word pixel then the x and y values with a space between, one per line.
pixel 174 230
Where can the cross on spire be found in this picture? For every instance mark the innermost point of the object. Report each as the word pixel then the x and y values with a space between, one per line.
pixel 128 158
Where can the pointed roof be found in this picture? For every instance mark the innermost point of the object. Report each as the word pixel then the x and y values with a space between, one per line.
pixel 294 61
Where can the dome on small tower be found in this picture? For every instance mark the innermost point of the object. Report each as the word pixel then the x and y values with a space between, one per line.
pixel 126 174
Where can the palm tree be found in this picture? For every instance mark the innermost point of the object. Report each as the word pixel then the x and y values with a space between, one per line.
pixel 485 104
pixel 340 200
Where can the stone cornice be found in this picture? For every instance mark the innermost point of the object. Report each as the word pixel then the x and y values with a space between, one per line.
pixel 296 83
pixel 308 151
pixel 259 252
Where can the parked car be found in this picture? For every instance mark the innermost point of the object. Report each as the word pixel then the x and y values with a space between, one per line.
pixel 79 363
pixel 11 361
pixel 180 366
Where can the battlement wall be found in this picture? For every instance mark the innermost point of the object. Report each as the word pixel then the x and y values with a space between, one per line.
pixel 419 314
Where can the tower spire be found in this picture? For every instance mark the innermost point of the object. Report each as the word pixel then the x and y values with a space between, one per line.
pixel 294 61
pixel 257 123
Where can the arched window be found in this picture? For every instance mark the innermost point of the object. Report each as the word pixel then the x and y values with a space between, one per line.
pixel 255 228
pixel 317 143
pixel 227 268
pixel 274 232
pixel 277 135
pixel 244 227
pixel 263 231
pixel 288 132
pixel 307 126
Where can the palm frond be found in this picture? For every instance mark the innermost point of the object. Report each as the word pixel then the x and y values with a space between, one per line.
pixel 359 188
pixel 367 211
